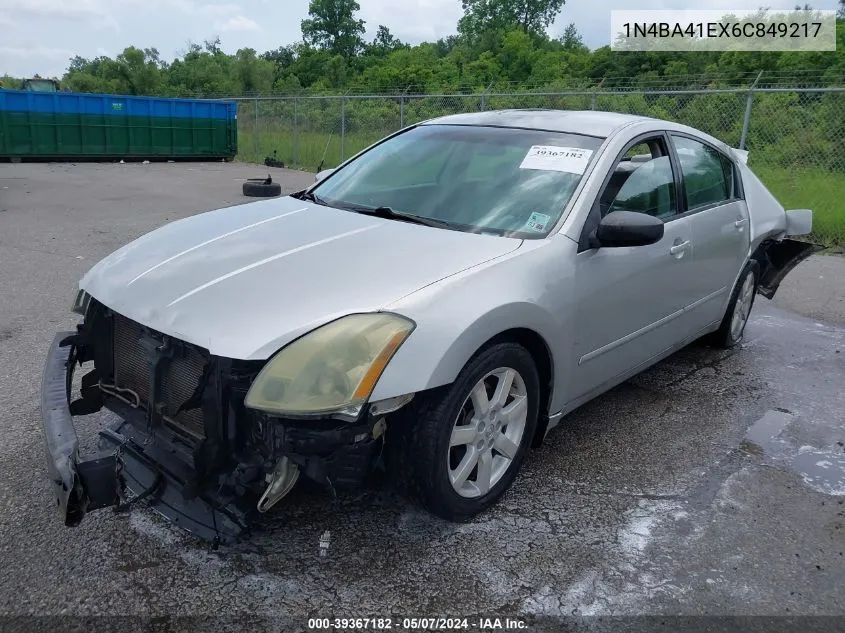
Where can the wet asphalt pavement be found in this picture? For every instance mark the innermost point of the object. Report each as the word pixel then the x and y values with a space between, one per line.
pixel 713 483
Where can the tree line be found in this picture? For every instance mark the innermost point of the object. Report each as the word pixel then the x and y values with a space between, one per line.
pixel 500 44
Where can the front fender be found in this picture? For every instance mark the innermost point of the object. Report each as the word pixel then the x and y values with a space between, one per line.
pixel 456 317
pixel 523 316
pixel 436 352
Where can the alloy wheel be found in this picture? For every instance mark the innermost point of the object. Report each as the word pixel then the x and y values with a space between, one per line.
pixel 488 432
pixel 742 308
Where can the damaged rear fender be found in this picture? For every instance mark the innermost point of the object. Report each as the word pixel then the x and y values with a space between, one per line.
pixel 777 258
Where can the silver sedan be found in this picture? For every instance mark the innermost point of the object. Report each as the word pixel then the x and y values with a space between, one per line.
pixel 434 305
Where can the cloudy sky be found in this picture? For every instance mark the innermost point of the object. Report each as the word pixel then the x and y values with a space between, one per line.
pixel 39 36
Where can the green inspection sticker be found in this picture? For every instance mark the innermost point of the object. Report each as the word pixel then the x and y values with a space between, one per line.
pixel 537 222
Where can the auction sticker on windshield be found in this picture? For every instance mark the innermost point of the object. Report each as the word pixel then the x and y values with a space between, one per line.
pixel 572 160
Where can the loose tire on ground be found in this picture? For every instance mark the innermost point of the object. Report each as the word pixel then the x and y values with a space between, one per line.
pixel 731 330
pixel 262 189
pixel 420 439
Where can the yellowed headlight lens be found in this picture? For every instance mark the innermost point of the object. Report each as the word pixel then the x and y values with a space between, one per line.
pixel 332 369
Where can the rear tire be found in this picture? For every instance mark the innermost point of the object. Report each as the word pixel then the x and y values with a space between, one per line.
pixel 731 330
pixel 453 457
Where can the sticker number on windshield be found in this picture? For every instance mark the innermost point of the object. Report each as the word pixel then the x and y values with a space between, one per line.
pixel 572 160
pixel 537 222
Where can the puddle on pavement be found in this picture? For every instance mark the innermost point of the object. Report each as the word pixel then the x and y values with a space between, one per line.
pixel 822 469
pixel 765 430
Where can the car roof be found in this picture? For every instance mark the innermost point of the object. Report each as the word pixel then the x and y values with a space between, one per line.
pixel 590 122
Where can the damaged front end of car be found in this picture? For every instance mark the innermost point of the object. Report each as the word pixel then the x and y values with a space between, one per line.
pixel 206 441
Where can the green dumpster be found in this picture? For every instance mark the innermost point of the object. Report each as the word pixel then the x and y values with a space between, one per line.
pixel 73 126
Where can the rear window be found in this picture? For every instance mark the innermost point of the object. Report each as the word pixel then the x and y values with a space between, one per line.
pixel 482 179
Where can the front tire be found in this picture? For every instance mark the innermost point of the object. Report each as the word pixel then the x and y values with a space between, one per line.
pixel 458 449
pixel 731 330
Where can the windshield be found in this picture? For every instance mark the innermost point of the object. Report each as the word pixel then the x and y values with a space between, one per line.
pixel 503 181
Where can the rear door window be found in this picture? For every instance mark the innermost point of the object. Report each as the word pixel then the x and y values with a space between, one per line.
pixel 707 174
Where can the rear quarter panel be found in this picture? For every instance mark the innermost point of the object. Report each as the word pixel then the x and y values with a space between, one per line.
pixel 767 215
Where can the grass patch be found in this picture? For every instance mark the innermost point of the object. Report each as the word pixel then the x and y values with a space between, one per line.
pixel 302 149
pixel 809 188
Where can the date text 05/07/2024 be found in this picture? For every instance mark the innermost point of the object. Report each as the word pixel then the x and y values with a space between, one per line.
pixel 417 624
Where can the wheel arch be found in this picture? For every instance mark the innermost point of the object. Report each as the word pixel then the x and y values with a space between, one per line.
pixel 431 359
pixel 541 353
pixel 776 258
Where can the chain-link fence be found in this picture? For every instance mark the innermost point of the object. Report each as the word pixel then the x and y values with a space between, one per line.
pixel 795 136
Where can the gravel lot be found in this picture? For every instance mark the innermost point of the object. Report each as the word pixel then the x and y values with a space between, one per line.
pixel 714 483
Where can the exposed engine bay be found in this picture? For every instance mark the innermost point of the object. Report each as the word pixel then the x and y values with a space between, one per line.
pixel 186 444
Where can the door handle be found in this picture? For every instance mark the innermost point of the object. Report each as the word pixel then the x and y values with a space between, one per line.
pixel 679 248
pixel 739 223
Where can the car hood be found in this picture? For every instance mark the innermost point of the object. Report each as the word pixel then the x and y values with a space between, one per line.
pixel 245 280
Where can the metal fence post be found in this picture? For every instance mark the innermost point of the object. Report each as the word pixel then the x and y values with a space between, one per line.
pixel 295 131
pixel 255 126
pixel 747 119
pixel 402 107
pixel 484 95
pixel 593 101
pixel 342 128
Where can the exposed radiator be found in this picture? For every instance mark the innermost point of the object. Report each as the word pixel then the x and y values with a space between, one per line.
pixel 179 380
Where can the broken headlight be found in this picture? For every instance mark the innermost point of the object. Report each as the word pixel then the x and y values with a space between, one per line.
pixel 333 369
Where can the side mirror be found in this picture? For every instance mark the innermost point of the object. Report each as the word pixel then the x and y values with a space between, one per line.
pixel 628 228
pixel 322 175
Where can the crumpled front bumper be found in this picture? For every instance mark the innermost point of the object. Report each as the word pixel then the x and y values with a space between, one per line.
pixel 73 492
pixel 127 465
